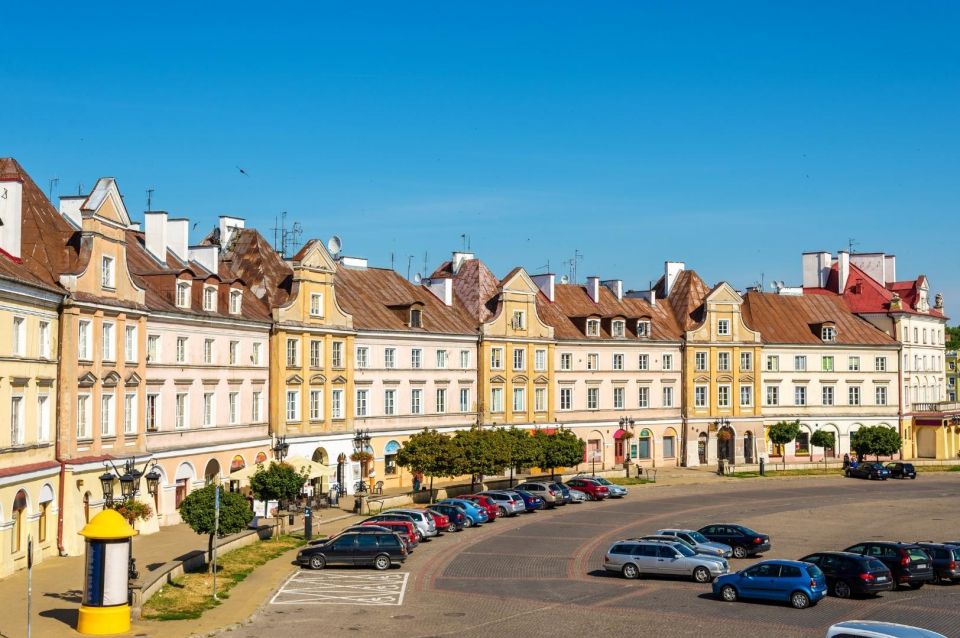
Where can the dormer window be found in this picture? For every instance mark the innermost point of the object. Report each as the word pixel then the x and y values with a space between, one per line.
pixel 593 327
pixel 828 333
pixel 183 294
pixel 316 304
pixel 416 318
pixel 723 327
pixel 210 298
pixel 518 322
pixel 643 328
pixel 618 327
pixel 107 278
pixel 236 299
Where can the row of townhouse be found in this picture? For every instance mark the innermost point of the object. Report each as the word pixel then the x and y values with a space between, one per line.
pixel 123 339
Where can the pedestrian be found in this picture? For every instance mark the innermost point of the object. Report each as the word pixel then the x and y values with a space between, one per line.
pixel 846 461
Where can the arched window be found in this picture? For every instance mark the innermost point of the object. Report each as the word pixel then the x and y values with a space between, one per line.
pixel 19 513
pixel 390 457
pixel 46 497
pixel 86 507
pixel 645 444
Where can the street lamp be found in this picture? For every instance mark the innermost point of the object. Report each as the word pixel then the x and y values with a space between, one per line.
pixel 281 448
pixel 129 488
pixel 106 484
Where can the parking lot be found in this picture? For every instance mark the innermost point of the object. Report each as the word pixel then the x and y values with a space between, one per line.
pixel 541 574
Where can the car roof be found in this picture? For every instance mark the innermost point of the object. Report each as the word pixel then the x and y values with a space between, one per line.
pixel 675 529
pixel 875 629
pixel 782 561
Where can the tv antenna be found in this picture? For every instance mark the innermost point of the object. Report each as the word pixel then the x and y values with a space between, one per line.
pixel 573 262
pixel 409 264
pixel 546 268
pixel 54 181
pixel 465 240
pixel 851 243
pixel 287 237
pixel 150 199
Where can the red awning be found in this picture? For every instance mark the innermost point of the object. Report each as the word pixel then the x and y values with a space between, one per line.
pixel 619 434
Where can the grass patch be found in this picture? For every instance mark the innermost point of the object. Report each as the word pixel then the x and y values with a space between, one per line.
pixel 190 595
pixel 773 472
pixel 936 468
pixel 623 480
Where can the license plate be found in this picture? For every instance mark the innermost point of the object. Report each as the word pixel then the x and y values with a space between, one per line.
pixel 881 579
pixel 922 566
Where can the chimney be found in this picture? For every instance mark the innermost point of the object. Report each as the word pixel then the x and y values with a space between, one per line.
pixel 615 286
pixel 843 270
pixel 593 288
pixel 206 256
pixel 178 237
pixel 458 259
pixel 671 270
pixel 547 283
pixel 155 229
pixel 890 269
pixel 228 226
pixel 11 212
pixel 816 269
pixel 442 289
pixel 70 208
pixel 356 263
pixel 650 296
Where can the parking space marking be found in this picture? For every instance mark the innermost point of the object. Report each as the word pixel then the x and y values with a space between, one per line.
pixel 342 588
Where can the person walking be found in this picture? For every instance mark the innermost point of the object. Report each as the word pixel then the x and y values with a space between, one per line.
pixel 846 461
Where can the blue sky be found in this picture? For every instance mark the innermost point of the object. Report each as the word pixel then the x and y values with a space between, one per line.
pixel 732 136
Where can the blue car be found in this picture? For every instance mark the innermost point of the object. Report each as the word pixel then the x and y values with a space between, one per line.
pixel 800 584
pixel 476 515
pixel 531 502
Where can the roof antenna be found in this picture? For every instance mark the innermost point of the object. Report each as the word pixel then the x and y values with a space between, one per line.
pixel 150 199
pixel 851 243
pixel 54 181
pixel 409 262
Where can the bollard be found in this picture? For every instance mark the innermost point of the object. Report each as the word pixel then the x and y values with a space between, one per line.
pixel 762 466
pixel 307 523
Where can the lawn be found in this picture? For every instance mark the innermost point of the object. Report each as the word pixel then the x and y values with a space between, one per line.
pixel 190 595
pixel 773 472
pixel 622 480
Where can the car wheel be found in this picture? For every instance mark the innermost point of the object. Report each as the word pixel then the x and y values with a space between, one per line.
pixel 382 562
pixel 799 600
pixel 452 527
pixel 728 593
pixel 467 522
pixel 501 511
pixel 630 571
pixel 702 575
pixel 841 589
pixel 317 562
pixel 419 535
pixel 739 551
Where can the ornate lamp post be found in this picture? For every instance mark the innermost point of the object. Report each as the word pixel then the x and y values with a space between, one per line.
pixel 281 448
pixel 129 489
pixel 721 423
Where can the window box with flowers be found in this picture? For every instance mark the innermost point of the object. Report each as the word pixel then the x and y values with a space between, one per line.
pixel 361 457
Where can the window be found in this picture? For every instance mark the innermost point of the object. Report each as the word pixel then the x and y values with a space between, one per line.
pixel 389 402
pixel 362 352
pixel 255 353
pixel 826 364
pixel 129 413
pixel 416 356
pixel 700 361
pixel 924 335
pixel 643 329
pixel 108 347
pixel 828 333
pixel 83 416
pixel 593 398
pixel 618 393
pixel 441 359
pixel 390 458
pixel 130 344
pixel 669 447
pixel 916 335
pixel 390 358
pixel 880 364
pixel 800 395
pixel 236 299
pixel 593 362
pixel 746 361
pixel 643 450
pixel 256 407
pixel 826 395
pixel 519 400
pixel 293 405
pixel 746 395
pixel 107 278
pixel 668 362
pixel 464 399
pixel 209 298
pixel 700 396
pixel 233 351
pixel 723 361
pixel 566 398
pixel 518 321
pixel 16 421
pixel 441 396
pixel 19 336
pixel 293 352
pixel 316 404
pixel 618 362
pixel 361 407
pixel 540 360
pixel 208 351
pixel 643 362
pixel 19 512
pixel 181 349
pixel 723 327
pixel 667 397
pixel 181 411
pixel 800 363
pixel 773 363
pixel 853 394
pixel 593 327
pixel 881 394
pixel 106 415
pixel 45 339
pixel 153 412
pixel 854 364
pixel 83 340
pixel 209 406
pixel 773 395
pixel 566 361
pixel 464 359
pixel 233 405
pixel 723 396
pixel 643 396
pixel 618 328
pixel 540 399
pixel 183 294
pixel 803 444
pixel 316 353
pixel 336 404
pixel 496 358
pixel 43 418
pixel 416 318
pixel 336 354
pixel 416 401
pixel 316 304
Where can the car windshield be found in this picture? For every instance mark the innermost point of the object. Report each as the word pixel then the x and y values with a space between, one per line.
pixel 916 553
pixel 603 481
pixel 876 565
pixel 814 571
pixel 748 531
pixel 698 537
pixel 956 553
pixel 684 549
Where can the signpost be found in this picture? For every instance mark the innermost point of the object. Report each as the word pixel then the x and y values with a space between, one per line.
pixel 216 529
pixel 29 585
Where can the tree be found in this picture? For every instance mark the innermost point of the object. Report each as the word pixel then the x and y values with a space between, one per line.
pixel 953 338
pixel 878 440
pixel 824 439
pixel 278 482
pixel 784 432
pixel 480 453
pixel 198 511
pixel 522 449
pixel 563 448
pixel 431 454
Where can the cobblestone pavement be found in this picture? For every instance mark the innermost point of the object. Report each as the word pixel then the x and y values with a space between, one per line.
pixel 541 574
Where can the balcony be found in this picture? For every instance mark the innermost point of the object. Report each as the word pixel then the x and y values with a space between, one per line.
pixel 942 406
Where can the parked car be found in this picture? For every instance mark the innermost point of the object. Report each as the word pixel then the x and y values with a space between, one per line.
pixel 700 543
pixel 800 584
pixel 424 522
pixel 663 538
pixel 848 574
pixel 476 515
pixel 594 490
pixel 406 531
pixel 398 515
pixel 946 562
pixel 530 502
pixel 576 496
pixel 876 629
pixel 440 521
pixel 633 557
pixel 359 528
pixel 380 550
pixel 900 470
pixel 616 491
pixel 550 496
pixel 456 517
pixel 910 565
pixel 567 496
pixel 487 503
pixel 743 540
pixel 507 504
pixel 869 471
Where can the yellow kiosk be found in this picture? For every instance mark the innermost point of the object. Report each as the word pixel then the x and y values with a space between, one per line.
pixel 105 608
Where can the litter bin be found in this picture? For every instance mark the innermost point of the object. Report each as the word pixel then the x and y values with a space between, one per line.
pixel 763 466
pixel 357 505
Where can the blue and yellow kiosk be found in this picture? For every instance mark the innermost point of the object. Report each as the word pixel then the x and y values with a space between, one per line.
pixel 105 608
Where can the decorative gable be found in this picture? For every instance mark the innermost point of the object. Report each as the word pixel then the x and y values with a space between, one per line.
pixel 111 379
pixel 87 380
pixel 294 379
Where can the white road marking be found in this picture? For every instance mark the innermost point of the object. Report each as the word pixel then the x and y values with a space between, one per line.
pixel 342 588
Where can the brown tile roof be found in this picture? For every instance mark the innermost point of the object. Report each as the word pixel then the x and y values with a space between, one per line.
pixel 378 299
pixel 572 305
pixel 797 319
pixel 250 257
pixel 476 287
pixel 686 299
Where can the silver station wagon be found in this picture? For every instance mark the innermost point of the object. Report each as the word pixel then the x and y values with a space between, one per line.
pixel 635 557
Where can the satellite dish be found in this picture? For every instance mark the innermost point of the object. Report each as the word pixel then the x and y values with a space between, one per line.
pixel 773 285
pixel 334 245
pixel 564 279
pixel 416 278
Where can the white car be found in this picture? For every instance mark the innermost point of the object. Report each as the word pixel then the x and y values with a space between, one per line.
pixel 874 629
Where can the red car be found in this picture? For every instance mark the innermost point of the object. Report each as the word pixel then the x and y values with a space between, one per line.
pixel 440 520
pixel 596 491
pixel 403 529
pixel 486 503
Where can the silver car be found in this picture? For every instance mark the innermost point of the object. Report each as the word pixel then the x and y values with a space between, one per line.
pixel 551 497
pixel 426 526
pixel 699 542
pixel 576 496
pixel 507 504
pixel 616 491
pixel 634 557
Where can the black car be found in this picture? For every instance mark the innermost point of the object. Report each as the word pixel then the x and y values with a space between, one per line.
pixel 909 563
pixel 849 574
pixel 946 561
pixel 902 470
pixel 380 549
pixel 359 529
pixel 868 471
pixel 744 541
pixel 456 516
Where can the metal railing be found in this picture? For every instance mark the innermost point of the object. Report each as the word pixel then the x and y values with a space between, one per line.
pixel 940 406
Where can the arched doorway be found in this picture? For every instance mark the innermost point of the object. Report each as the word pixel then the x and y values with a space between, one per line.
pixel 618 446
pixel 748 447
pixel 212 472
pixel 316 484
pixel 595 450
pixel 19 510
pixel 702 448
pixel 182 480
pixel 926 442
pixel 725 444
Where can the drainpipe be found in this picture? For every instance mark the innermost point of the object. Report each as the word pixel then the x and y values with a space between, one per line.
pixel 61 490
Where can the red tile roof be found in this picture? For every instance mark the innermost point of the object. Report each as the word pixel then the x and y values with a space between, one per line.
pixel 865 295
pixel 250 257
pixel 475 286
pixel 686 299
pixel 797 320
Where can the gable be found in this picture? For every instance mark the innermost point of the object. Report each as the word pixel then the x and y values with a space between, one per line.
pixel 520 281
pixel 106 203
pixel 315 257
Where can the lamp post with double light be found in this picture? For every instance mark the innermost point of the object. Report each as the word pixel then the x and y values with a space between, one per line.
pixel 129 480
pixel 281 448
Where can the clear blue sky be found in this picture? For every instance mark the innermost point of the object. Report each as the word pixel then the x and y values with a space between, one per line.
pixel 732 136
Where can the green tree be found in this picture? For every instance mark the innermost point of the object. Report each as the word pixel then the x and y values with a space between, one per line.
pixel 784 432
pixel 480 453
pixel 824 439
pixel 878 440
pixel 522 449
pixel 953 338
pixel 563 448
pixel 277 482
pixel 431 454
pixel 198 511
